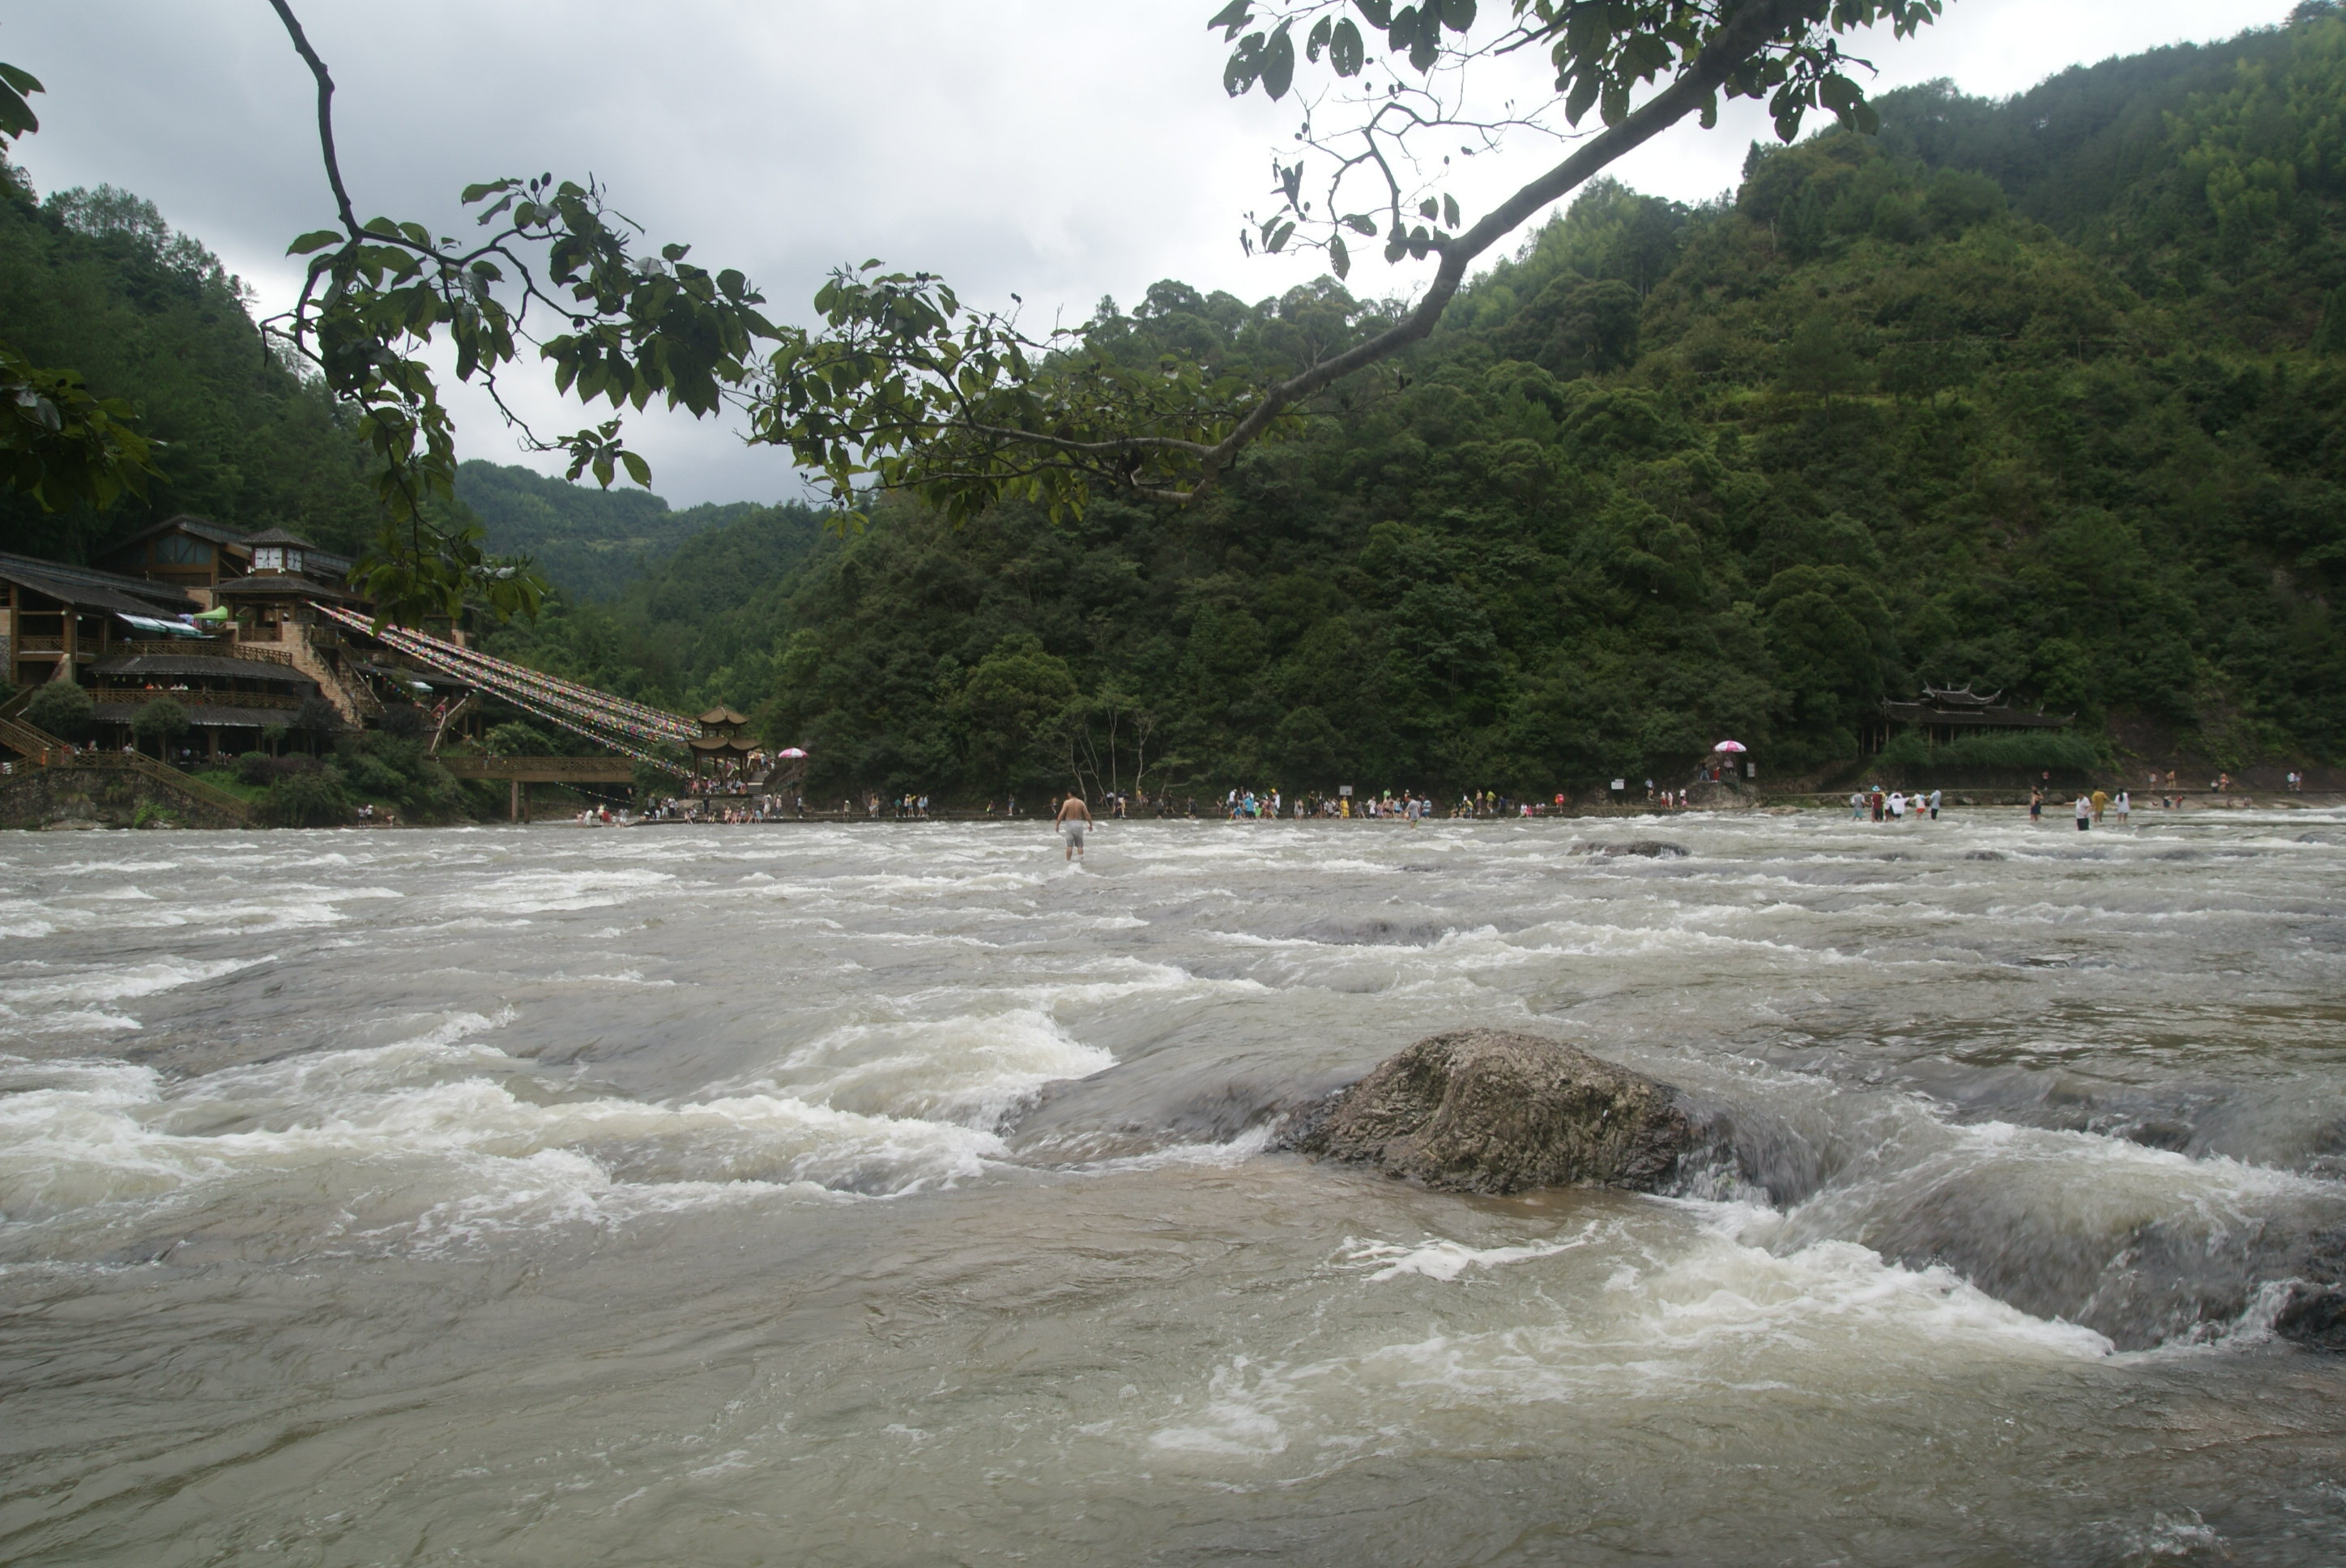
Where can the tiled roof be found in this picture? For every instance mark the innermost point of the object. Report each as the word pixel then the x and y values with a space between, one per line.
pixel 89 588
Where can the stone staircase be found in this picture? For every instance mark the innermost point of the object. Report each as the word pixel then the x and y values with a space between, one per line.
pixel 349 697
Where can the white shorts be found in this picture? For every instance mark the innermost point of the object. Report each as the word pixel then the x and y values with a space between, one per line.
pixel 1074 829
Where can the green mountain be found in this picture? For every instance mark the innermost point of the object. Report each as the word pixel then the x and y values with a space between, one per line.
pixel 589 543
pixel 2043 393
pixel 2046 394
pixel 96 281
pixel 703 618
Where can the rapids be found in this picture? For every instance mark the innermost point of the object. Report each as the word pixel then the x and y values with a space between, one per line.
pixel 897 1194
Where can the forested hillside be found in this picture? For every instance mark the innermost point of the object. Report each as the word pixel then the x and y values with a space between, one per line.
pixel 2042 394
pixel 592 541
pixel 97 281
pixel 2048 395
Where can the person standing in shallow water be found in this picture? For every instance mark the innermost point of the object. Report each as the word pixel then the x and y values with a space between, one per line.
pixel 1073 820
pixel 2085 813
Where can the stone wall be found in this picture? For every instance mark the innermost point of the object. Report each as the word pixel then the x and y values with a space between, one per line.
pixel 66 798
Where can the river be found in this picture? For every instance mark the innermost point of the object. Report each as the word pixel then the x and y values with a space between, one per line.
pixel 863 1194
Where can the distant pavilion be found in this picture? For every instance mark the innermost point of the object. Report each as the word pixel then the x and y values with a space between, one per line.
pixel 721 742
pixel 1946 714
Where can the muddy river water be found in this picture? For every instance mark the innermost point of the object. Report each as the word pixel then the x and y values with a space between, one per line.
pixel 897 1194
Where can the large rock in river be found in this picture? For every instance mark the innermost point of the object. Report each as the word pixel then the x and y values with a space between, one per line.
pixel 1491 1111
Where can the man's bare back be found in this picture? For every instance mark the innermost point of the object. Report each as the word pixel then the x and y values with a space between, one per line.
pixel 1073 818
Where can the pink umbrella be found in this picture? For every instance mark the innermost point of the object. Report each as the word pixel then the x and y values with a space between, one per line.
pixel 790 751
pixel 1730 746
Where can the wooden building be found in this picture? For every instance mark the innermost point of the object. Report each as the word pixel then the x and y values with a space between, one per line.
pixel 1942 714
pixel 57 621
pixel 194 554
pixel 219 620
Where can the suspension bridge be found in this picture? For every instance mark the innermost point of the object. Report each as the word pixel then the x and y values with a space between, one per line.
pixel 634 733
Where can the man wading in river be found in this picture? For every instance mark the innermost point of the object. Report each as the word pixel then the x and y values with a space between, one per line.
pixel 1073 819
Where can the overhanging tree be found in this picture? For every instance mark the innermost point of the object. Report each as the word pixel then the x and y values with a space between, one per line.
pixel 902 386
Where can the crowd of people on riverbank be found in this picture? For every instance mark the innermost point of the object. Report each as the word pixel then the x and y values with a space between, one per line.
pixel 729 802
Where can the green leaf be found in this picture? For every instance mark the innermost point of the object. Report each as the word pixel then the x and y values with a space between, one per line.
pixel 1319 40
pixel 1378 13
pixel 1458 16
pixel 1339 258
pixel 1584 89
pixel 1429 207
pixel 1279 64
pixel 1450 210
pixel 316 239
pixel 1245 64
pixel 1345 50
pixel 16 116
pixel 1230 18
pixel 637 469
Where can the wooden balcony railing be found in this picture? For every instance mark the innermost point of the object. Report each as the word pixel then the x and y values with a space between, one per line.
pixel 200 699
pixel 209 648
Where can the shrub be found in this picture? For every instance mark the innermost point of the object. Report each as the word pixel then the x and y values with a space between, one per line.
pixel 260 768
pixel 373 781
pixel 159 723
pixel 403 721
pixel 307 800
pixel 392 769
pixel 62 709
pixel 517 739
pixel 318 719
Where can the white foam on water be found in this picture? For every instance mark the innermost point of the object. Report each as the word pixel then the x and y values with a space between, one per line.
pixel 538 892
pixel 1147 978
pixel 971 1069
pixel 624 977
pixel 1688 1316
pixel 2082 1184
pixel 1446 1260
pixel 1209 1156
pixel 118 984
pixel 432 1129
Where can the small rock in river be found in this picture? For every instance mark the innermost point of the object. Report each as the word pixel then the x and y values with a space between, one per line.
pixel 1653 849
pixel 2313 1315
pixel 1493 1111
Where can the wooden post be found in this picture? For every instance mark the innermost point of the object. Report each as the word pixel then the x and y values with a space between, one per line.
pixel 518 801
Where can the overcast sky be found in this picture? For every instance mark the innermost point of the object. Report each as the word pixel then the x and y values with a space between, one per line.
pixel 1059 148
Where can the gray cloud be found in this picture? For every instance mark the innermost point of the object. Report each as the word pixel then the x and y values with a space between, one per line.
pixel 1061 150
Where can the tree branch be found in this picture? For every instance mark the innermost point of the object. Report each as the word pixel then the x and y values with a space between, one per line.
pixel 325 112
pixel 1750 28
